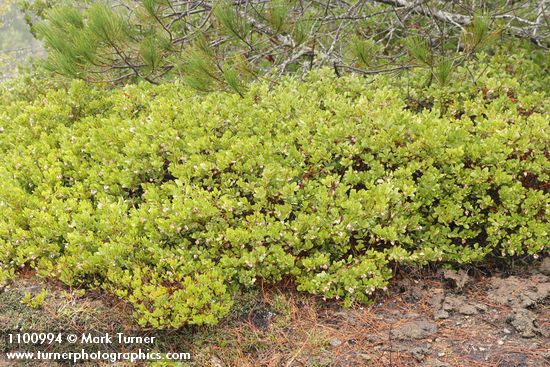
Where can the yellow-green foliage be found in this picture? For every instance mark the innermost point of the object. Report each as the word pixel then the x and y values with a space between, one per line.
pixel 36 301
pixel 173 200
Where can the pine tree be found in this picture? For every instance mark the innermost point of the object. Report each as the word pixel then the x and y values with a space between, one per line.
pixel 220 44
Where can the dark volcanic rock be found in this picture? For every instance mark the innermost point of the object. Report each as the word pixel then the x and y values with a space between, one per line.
pixel 459 279
pixel 414 330
pixel 520 292
pixel 523 321
pixel 544 266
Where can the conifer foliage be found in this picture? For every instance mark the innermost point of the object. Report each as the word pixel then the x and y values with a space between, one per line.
pixel 221 44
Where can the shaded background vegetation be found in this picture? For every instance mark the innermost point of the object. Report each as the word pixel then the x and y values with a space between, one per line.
pixel 17 43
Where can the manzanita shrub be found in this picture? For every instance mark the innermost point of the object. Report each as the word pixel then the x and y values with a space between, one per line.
pixel 174 201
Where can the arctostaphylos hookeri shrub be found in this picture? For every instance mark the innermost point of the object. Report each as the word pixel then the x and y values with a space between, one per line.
pixel 173 201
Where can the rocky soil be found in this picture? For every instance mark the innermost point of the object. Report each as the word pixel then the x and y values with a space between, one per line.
pixel 432 318
pixel 453 319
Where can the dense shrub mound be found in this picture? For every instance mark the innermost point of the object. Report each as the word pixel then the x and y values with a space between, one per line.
pixel 173 201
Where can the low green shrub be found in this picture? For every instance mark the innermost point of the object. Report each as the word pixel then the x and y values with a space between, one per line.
pixel 173 201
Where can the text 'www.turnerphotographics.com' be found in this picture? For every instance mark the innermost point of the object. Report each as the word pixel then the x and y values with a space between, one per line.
pixel 81 347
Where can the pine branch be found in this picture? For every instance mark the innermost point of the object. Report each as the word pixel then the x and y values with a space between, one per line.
pixel 462 20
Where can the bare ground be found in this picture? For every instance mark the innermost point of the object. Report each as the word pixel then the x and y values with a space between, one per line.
pixel 433 318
